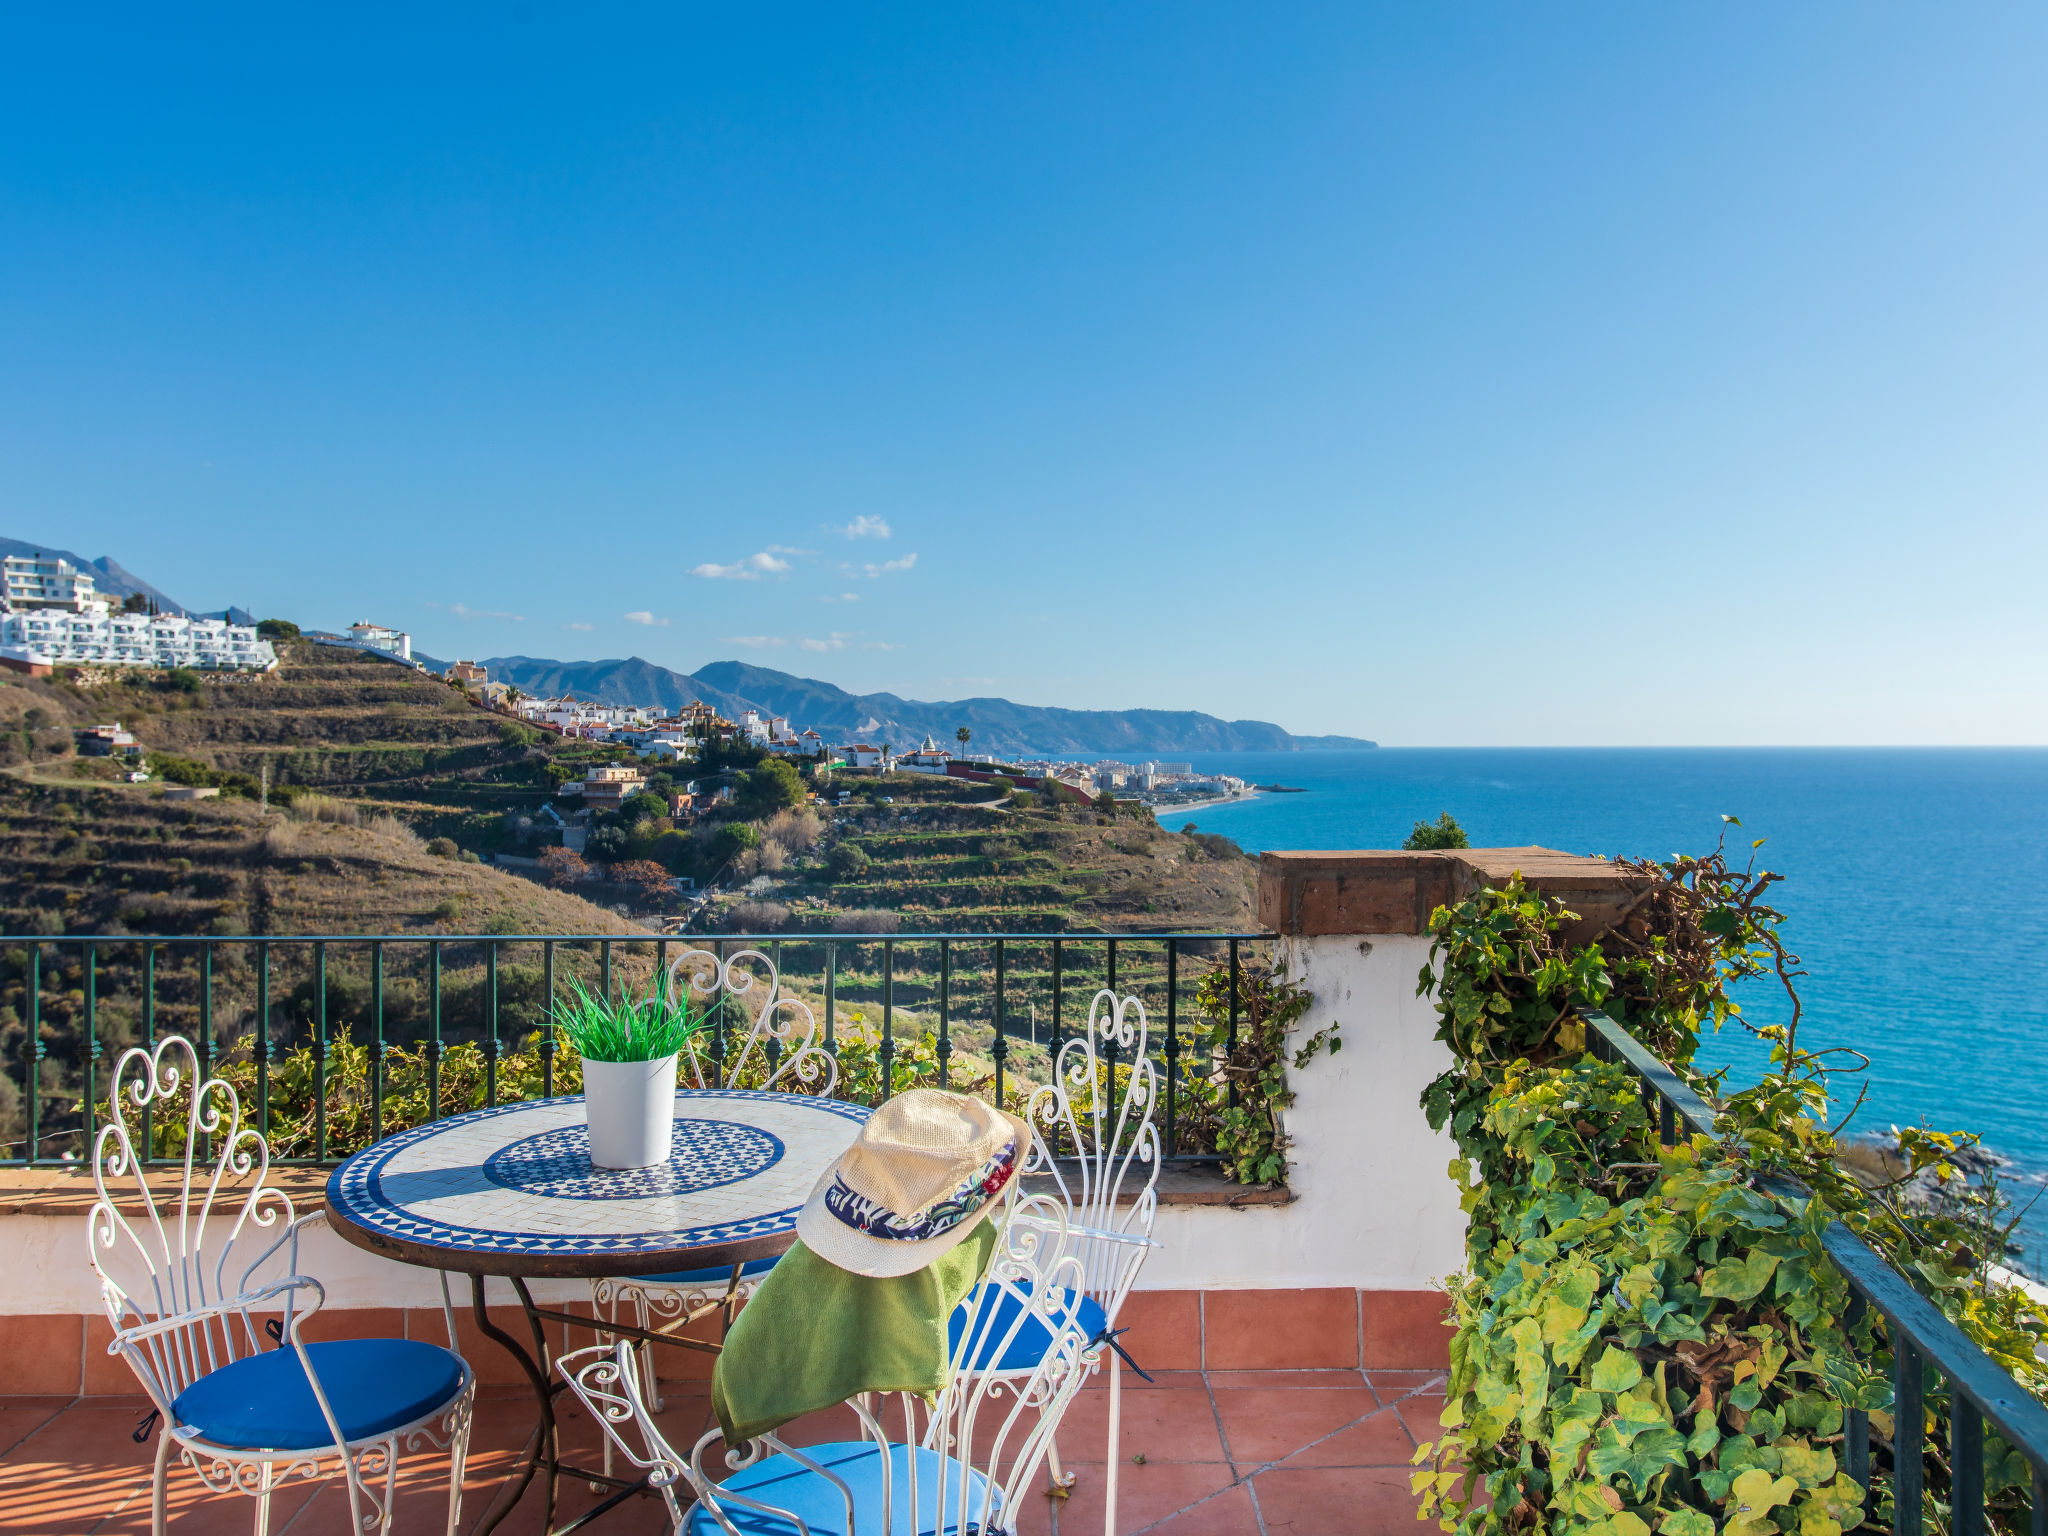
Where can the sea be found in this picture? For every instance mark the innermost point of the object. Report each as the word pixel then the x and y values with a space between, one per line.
pixel 1916 887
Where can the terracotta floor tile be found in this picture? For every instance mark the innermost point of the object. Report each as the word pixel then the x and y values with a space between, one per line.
pixel 83 1467
pixel 1266 1424
pixel 1162 1426
pixel 21 1417
pixel 1336 1501
pixel 1229 1513
pixel 1146 1496
pixel 1380 1440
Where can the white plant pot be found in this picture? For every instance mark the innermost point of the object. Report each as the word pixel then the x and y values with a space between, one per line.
pixel 631 1107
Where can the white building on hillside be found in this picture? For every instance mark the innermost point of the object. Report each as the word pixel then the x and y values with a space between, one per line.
pixel 375 637
pixel 364 636
pixel 39 581
pixel 60 621
pixel 586 717
pixel 809 744
pixel 930 757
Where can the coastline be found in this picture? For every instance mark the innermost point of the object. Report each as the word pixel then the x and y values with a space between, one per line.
pixel 1202 805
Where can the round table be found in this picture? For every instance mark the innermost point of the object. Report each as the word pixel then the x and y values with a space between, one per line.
pixel 510 1191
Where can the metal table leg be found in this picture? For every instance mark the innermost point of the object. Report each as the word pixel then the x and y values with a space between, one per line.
pixel 543 1446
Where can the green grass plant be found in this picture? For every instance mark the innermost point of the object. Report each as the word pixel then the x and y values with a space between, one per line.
pixel 624 1028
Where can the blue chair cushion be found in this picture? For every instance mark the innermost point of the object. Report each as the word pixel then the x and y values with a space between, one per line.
pixel 264 1402
pixel 1033 1339
pixel 717 1275
pixel 790 1485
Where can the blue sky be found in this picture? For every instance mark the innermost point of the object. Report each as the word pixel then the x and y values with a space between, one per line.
pixel 1443 374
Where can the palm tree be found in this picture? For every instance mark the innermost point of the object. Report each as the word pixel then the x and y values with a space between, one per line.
pixel 964 735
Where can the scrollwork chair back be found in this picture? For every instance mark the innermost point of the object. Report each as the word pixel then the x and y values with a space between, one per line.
pixel 780 1039
pixel 1098 1142
pixel 166 1262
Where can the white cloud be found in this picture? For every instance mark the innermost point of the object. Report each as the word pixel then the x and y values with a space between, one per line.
pixel 767 562
pixel 840 597
pixel 642 616
pixel 836 642
pixel 463 611
pixel 752 642
pixel 579 626
pixel 880 645
pixel 872 570
pixel 865 527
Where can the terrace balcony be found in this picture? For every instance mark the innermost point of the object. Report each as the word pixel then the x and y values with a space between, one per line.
pixel 1296 1333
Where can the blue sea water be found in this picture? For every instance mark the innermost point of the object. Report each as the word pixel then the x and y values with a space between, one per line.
pixel 1916 882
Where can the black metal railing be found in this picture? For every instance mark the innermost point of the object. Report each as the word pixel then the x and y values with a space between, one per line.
pixel 991 1009
pixel 1923 1339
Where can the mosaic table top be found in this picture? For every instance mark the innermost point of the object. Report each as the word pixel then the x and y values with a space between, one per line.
pixel 511 1190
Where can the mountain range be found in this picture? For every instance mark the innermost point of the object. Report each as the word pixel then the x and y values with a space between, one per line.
pixel 733 687
pixel 998 725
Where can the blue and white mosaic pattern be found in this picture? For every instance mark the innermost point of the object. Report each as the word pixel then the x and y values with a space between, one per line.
pixel 518 1177
pixel 703 1154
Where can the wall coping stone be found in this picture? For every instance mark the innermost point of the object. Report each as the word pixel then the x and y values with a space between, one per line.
pixel 1371 891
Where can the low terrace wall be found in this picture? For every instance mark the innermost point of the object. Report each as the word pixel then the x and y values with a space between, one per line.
pixel 1338 1270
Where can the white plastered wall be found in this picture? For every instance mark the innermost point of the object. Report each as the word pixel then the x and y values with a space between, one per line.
pixel 1374 1205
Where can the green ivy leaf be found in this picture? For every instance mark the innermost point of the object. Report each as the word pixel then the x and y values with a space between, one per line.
pixel 1687 1522
pixel 1616 1371
pixel 1740 1279
pixel 1641 1458
pixel 1805 1465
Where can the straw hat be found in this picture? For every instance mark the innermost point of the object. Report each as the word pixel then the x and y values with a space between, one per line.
pixel 924 1170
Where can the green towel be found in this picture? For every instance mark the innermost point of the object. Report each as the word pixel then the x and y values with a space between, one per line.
pixel 815 1335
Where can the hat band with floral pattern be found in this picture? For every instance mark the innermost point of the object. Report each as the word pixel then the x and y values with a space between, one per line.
pixel 870 1217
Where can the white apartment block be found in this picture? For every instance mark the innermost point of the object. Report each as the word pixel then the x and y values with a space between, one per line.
pixel 45 582
pixel 59 621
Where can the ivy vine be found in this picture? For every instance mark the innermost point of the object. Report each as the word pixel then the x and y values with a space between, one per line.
pixel 1647 1340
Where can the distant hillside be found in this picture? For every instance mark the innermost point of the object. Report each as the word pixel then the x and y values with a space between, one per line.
pixel 631 681
pixel 405 757
pixel 108 575
pixel 998 724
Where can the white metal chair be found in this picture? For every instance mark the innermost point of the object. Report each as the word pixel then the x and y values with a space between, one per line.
pixel 963 1465
pixel 243 1417
pixel 781 1045
pixel 1104 1162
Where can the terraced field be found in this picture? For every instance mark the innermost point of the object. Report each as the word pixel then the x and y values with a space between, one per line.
pixel 980 869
